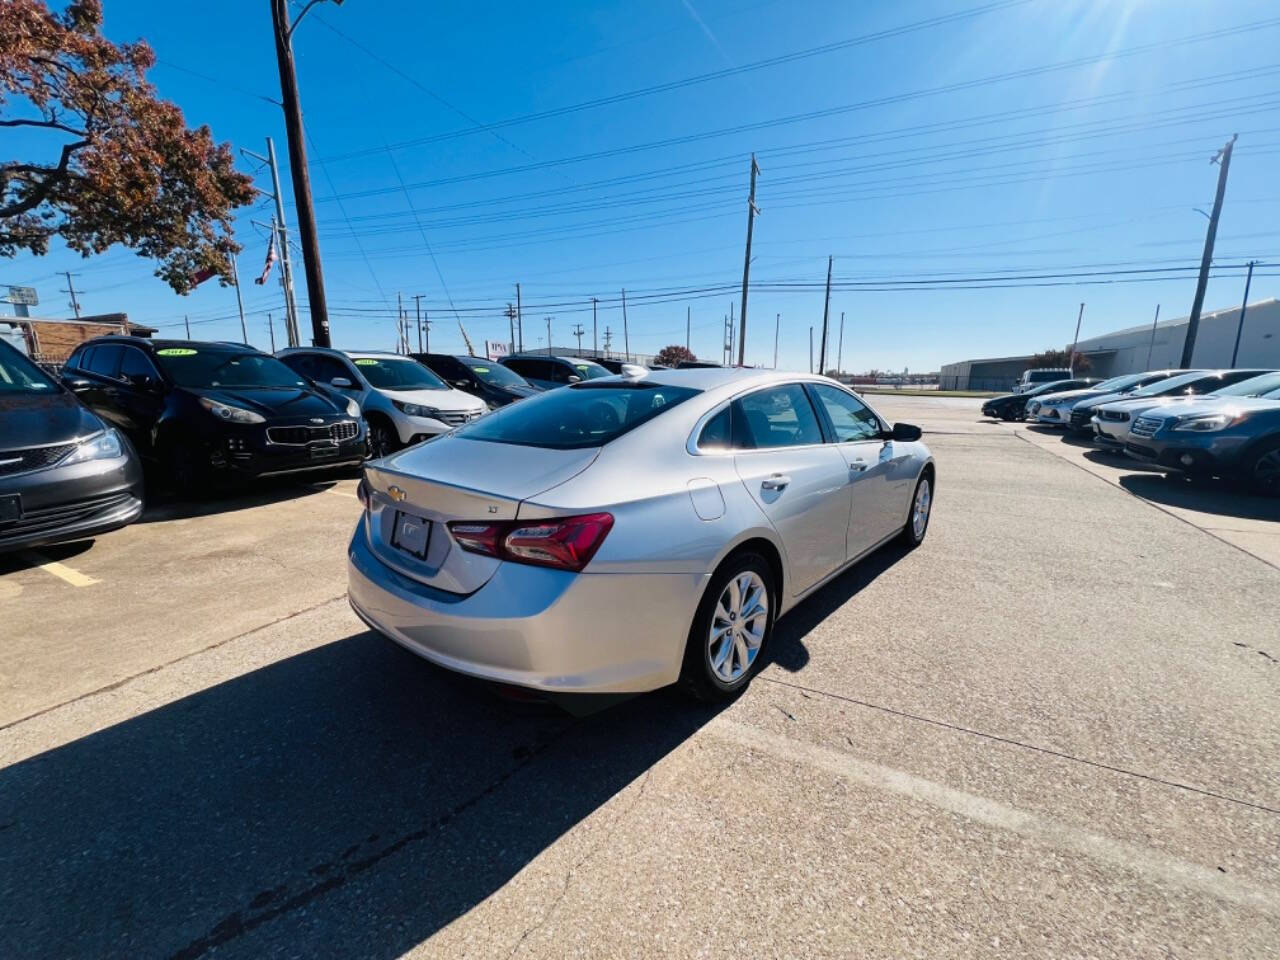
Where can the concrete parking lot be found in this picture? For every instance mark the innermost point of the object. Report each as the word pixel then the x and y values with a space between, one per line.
pixel 1052 731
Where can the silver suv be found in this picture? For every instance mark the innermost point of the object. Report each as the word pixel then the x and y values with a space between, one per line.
pixel 402 401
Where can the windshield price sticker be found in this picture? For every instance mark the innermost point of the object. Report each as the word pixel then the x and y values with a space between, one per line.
pixel 176 352
pixel 366 362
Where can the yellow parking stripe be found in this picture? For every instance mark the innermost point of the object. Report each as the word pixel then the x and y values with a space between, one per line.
pixel 341 493
pixel 62 571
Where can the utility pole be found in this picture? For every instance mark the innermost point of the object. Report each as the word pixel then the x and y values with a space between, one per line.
pixel 519 319
pixel 840 348
pixel 595 349
pixel 298 168
pixel 746 263
pixel 280 240
pixel 608 341
pixel 626 337
pixel 403 346
pixel 186 322
pixel 1153 336
pixel 511 323
pixel 688 316
pixel 811 348
pixel 826 308
pixel 1223 159
pixel 426 332
pixel 578 331
pixel 235 275
pixel 548 336
pixel 417 300
pixel 1071 357
pixel 75 304
pixel 272 328
pixel 732 327
pixel 1243 307
pixel 777 322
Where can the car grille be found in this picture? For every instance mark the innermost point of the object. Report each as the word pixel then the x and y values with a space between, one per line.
pixel 1115 416
pixel 32 458
pixel 1145 427
pixel 50 519
pixel 1141 451
pixel 1080 417
pixel 302 435
pixel 456 418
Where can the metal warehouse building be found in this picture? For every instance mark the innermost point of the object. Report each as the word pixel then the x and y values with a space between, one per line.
pixel 1135 349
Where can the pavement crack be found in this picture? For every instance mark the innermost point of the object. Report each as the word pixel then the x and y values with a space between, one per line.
pixel 1009 741
pixel 344 869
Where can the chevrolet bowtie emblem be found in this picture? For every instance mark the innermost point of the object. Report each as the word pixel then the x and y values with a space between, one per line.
pixel 396 493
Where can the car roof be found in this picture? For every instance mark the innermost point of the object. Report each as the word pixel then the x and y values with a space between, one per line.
pixel 149 343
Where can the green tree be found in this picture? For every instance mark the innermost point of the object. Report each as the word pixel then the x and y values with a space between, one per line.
pixel 674 354
pixel 115 163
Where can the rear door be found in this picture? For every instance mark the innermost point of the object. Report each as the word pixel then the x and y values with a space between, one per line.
pixel 798 480
pixel 102 368
pixel 139 399
pixel 876 508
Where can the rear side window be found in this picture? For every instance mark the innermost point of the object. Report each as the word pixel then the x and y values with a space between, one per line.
pixel 577 416
pixel 105 361
pixel 717 433
pixel 775 417
pixel 135 363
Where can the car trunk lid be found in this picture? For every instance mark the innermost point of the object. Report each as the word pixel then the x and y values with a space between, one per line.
pixel 454 479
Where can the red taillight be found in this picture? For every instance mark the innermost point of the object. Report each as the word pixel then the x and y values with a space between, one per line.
pixel 566 543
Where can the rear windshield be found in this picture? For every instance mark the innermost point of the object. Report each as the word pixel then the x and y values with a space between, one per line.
pixel 1161 387
pixel 589 370
pixel 1118 383
pixel 1040 376
pixel 197 367
pixel 577 416
pixel 494 374
pixel 393 374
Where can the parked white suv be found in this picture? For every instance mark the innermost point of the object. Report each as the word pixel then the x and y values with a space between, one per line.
pixel 402 401
pixel 1033 378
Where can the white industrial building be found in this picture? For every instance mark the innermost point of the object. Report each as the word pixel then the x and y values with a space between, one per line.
pixel 1135 349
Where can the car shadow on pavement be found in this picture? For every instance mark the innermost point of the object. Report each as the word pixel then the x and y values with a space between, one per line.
pixel 56 552
pixel 163 504
pixel 1117 458
pixel 348 801
pixel 1201 494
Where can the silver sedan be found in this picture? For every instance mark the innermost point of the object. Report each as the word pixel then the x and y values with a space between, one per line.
pixel 623 534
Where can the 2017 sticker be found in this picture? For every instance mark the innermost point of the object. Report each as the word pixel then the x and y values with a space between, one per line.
pixel 176 352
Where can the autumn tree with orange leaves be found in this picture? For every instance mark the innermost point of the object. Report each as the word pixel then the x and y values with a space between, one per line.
pixel 106 161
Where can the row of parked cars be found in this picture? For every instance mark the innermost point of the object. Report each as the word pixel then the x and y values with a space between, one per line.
pixel 75 448
pixel 1223 423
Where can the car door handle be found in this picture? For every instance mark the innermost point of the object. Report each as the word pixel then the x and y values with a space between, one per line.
pixel 775 482
pixel 857 466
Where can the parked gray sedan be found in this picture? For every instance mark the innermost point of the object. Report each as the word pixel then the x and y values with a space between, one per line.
pixel 621 534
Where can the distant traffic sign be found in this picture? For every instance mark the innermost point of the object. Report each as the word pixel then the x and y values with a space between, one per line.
pixel 26 296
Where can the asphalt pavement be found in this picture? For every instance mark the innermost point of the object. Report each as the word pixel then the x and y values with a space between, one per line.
pixel 1051 731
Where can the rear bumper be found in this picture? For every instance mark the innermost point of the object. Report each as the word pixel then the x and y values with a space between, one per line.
pixel 534 627
pixel 73 502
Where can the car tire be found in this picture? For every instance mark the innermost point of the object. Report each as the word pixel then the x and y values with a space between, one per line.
pixel 383 439
pixel 1008 417
pixel 1262 468
pixel 917 525
pixel 713 670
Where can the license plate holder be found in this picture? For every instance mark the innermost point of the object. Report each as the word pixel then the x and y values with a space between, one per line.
pixel 323 449
pixel 10 507
pixel 411 533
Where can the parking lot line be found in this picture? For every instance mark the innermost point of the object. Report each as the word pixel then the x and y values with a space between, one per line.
pixel 61 571
pixel 341 493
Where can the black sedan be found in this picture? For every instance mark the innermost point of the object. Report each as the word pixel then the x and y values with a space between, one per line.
pixel 214 411
pixel 1013 406
pixel 64 474
pixel 490 381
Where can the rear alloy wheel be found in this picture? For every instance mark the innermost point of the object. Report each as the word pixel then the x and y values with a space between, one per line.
pixel 917 524
pixel 1264 469
pixel 382 439
pixel 733 623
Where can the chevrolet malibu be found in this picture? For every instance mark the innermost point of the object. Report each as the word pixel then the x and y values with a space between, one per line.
pixel 625 533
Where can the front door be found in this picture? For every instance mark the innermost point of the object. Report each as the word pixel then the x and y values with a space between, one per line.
pixel 800 482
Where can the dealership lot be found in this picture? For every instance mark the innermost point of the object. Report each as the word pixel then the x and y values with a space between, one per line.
pixel 1053 730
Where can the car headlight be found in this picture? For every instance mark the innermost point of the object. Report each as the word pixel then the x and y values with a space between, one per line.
pixel 105 446
pixel 353 409
pixel 1206 423
pixel 224 411
pixel 415 409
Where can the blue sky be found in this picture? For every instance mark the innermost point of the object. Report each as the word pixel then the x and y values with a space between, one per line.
pixel 919 166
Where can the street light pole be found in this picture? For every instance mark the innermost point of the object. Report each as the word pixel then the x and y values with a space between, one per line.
pixel 298 168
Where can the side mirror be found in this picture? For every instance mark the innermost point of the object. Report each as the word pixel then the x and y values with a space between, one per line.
pixel 461 384
pixel 143 381
pixel 77 384
pixel 906 432
pixel 342 383
pixel 574 378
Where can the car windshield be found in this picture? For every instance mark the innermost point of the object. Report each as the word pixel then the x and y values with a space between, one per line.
pixel 396 373
pixel 494 374
pixel 577 416
pixel 1052 388
pixel 1262 386
pixel 1117 383
pixel 20 375
pixel 589 370
pixel 1162 387
pixel 198 367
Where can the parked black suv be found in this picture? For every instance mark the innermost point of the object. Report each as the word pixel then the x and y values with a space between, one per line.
pixel 489 380
pixel 203 411
pixel 551 372
pixel 64 474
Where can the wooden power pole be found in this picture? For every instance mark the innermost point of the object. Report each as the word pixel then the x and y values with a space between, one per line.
pixel 746 264
pixel 1223 159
